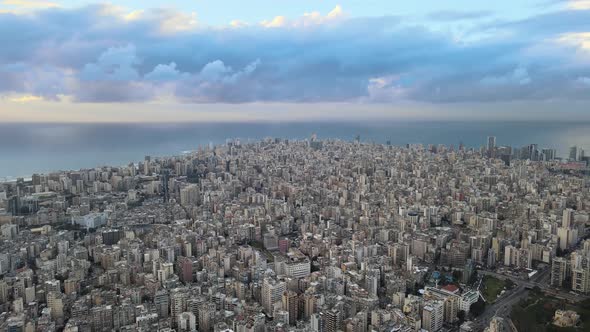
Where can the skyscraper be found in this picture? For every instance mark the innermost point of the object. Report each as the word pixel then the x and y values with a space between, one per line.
pixel 567 218
pixel 491 144
pixel 549 154
pixel 573 153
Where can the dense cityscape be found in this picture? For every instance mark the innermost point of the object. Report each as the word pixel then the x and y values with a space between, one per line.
pixel 300 235
pixel 294 166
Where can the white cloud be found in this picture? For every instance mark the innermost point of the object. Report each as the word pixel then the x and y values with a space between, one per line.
pixel 577 39
pixel 115 64
pixel 134 15
pixel 164 72
pixel 238 24
pixel 308 19
pixel 579 4
pixel 277 22
pixel 168 21
pixel 26 99
pixel 173 21
pixel 386 89
pixel 217 71
pixel 337 12
pixel 30 4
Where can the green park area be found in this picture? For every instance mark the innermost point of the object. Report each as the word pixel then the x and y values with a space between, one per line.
pixel 492 287
pixel 535 313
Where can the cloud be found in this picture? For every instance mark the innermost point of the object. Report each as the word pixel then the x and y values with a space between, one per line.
pixel 104 53
pixel 217 71
pixel 164 72
pixel 30 4
pixel 134 15
pixel 114 91
pixel 579 4
pixel 584 81
pixel 519 76
pixel 217 82
pixel 577 39
pixel 172 21
pixel 448 15
pixel 238 24
pixel 386 89
pixel 44 81
pixel 308 19
pixel 115 64
pixel 277 22
pixel 26 99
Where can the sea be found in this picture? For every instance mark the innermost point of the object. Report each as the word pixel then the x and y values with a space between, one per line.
pixel 27 148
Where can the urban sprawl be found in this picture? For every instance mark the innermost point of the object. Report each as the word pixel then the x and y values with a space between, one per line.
pixel 298 235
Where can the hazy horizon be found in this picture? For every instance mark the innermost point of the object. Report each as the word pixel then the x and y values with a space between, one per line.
pixel 44 147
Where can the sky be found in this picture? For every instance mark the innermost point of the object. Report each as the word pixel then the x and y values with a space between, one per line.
pixel 293 60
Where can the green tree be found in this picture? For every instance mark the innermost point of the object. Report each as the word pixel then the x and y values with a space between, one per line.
pixel 478 307
pixel 509 284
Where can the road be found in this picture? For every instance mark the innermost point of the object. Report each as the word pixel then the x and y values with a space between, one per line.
pixel 503 304
pixel 539 280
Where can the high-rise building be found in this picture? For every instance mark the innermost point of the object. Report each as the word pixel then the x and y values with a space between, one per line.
pixel 291 305
pixel 317 322
pixel 333 320
pixel 178 301
pixel 491 147
pixel 206 317
pixel 533 152
pixel 566 237
pixel 162 303
pixel 186 321
pixel 185 269
pixel 580 264
pixel 123 315
pixel 3 291
pixel 101 318
pixel 272 291
pixel 568 218
pixel 559 269
pixel 573 155
pixel 432 316
pixel 55 304
pixel 190 195
pixel 146 165
pixel 549 154
pixel 450 300
pixel 309 305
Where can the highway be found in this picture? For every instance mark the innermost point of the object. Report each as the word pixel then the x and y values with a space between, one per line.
pixel 539 280
pixel 503 304
pixel 502 307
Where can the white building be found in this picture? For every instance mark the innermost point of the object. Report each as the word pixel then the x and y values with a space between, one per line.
pixel 91 220
pixel 467 299
pixel 187 321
